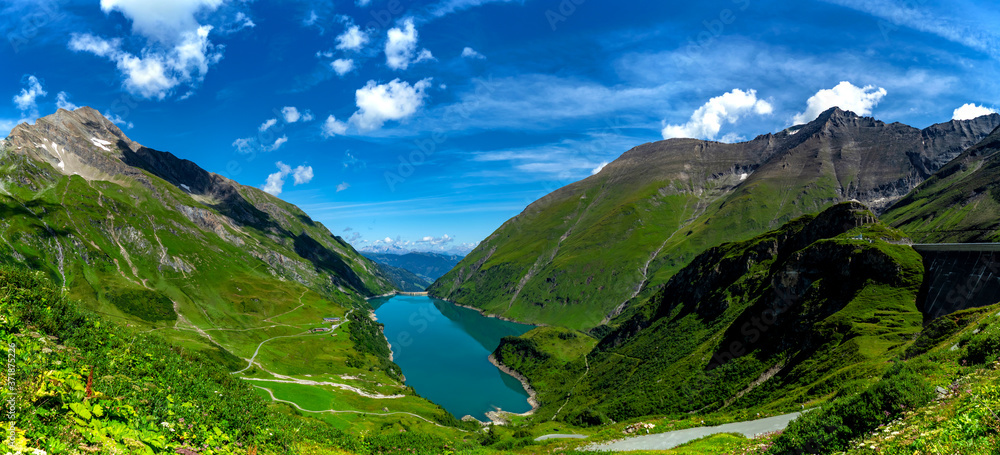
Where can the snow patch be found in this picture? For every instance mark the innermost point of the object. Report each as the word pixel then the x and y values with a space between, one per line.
pixel 55 151
pixel 185 188
pixel 101 143
pixel 744 176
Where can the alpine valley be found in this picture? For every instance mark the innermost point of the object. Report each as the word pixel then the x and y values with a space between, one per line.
pixel 161 308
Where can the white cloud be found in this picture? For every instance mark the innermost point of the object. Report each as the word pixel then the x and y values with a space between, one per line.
pixel 401 47
pixel 62 102
pixel 388 240
pixel 241 22
pixel 95 45
pixel 309 21
pixel 27 100
pixel 970 111
pixel 469 52
pixel 118 120
pixel 343 186
pixel 302 174
pixel 277 144
pixel 599 168
pixel 846 96
pixel 275 182
pixel 431 240
pixel 268 124
pixel 940 20
pixel 176 52
pixel 244 145
pixel 362 3
pixel 708 119
pixel 162 21
pixel 291 114
pixel 333 127
pixel 342 66
pixel 158 71
pixel 446 7
pixel 396 100
pixel 353 39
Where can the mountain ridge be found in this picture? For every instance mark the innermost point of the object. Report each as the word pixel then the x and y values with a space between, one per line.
pixel 582 254
pixel 190 252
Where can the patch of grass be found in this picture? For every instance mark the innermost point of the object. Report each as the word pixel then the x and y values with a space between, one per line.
pixel 144 304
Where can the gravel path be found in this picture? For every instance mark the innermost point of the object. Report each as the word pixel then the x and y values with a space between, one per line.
pixel 669 440
pixel 561 436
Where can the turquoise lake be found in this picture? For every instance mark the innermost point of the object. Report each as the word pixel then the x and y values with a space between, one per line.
pixel 443 350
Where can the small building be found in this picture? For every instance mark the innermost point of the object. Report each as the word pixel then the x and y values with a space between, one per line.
pixel 320 329
pixel 331 319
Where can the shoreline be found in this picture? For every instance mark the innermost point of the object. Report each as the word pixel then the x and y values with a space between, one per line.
pixel 532 394
pixel 371 314
pixel 487 315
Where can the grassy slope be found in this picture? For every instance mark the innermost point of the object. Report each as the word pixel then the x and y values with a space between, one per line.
pixel 844 323
pixel 233 286
pixel 600 236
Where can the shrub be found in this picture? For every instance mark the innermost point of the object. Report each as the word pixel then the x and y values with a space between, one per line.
pixel 983 348
pixel 830 429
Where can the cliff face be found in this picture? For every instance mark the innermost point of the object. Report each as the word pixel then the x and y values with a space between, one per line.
pixel 102 214
pixel 587 252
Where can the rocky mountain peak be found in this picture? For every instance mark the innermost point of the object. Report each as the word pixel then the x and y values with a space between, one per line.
pixel 81 142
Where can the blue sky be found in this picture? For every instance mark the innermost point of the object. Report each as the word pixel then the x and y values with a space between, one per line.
pixel 430 123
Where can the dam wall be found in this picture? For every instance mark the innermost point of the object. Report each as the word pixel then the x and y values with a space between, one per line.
pixel 958 277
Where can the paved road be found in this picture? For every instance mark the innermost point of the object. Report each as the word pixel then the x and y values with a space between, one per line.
pixel 669 440
pixel 561 436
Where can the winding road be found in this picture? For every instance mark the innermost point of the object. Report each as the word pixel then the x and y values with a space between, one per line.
pixel 671 439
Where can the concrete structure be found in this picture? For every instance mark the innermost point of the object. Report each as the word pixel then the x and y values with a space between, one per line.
pixel 958 277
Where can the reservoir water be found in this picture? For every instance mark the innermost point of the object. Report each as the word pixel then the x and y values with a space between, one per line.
pixel 443 350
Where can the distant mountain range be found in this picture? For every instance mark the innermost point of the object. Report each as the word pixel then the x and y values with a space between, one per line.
pixel 395 248
pixel 580 256
pixel 425 266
